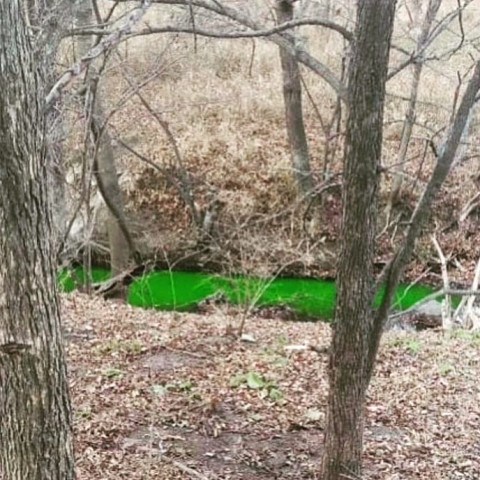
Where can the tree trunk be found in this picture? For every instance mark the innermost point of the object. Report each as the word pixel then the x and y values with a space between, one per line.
pixel 393 271
pixel 422 43
pixel 120 241
pixel 353 313
pixel 35 415
pixel 292 94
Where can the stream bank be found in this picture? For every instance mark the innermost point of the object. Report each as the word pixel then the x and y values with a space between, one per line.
pixel 185 291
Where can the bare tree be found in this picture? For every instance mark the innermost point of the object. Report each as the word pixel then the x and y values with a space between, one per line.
pixel 35 414
pixel 358 327
pixel 120 240
pixel 353 313
pixel 292 95
pixel 392 272
pixel 409 121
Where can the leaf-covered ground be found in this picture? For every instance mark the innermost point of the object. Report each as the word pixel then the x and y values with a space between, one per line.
pixel 166 396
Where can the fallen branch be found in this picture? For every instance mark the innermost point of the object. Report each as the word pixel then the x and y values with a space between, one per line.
pixel 101 288
pixel 302 348
pixel 434 296
pixel 184 468
pixel 186 352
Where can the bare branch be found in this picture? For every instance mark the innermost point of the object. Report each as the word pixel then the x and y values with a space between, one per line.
pixel 172 180
pixel 285 41
pixel 441 26
pixel 267 32
pixel 107 43
pixel 183 184
pixel 192 19
pixel 394 269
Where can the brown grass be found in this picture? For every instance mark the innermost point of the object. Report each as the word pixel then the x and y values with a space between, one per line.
pixel 228 121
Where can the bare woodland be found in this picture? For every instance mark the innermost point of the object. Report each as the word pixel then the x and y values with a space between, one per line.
pixel 283 137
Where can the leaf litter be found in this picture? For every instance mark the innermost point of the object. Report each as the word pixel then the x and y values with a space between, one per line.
pixel 165 395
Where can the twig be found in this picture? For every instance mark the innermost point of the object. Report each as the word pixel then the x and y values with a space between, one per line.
pixel 186 352
pixel 252 57
pixel 184 468
pixel 446 304
pixel 412 284
pixel 192 19
pixel 106 44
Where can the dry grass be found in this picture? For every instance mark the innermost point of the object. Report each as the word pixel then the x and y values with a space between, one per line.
pixel 225 109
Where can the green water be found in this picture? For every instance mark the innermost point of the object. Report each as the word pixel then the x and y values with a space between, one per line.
pixel 182 291
pixel 71 278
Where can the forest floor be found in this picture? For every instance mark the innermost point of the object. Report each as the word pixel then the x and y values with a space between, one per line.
pixel 164 395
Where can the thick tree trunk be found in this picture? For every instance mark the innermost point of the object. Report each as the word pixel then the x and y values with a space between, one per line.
pixel 35 420
pixel 353 314
pixel 292 94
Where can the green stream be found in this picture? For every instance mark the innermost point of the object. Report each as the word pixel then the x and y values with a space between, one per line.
pixel 181 291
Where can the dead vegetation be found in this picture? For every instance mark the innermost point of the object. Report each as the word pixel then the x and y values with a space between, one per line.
pixel 162 395
pixel 221 101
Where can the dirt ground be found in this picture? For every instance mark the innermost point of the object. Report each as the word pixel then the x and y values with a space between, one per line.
pixel 162 395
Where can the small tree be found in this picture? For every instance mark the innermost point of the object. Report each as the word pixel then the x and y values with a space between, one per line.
pixel 120 240
pixel 35 420
pixel 292 95
pixel 355 284
pixel 409 120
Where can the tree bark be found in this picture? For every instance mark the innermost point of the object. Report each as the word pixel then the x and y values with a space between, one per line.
pixel 120 241
pixel 292 95
pixel 353 312
pixel 35 414
pixel 393 271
